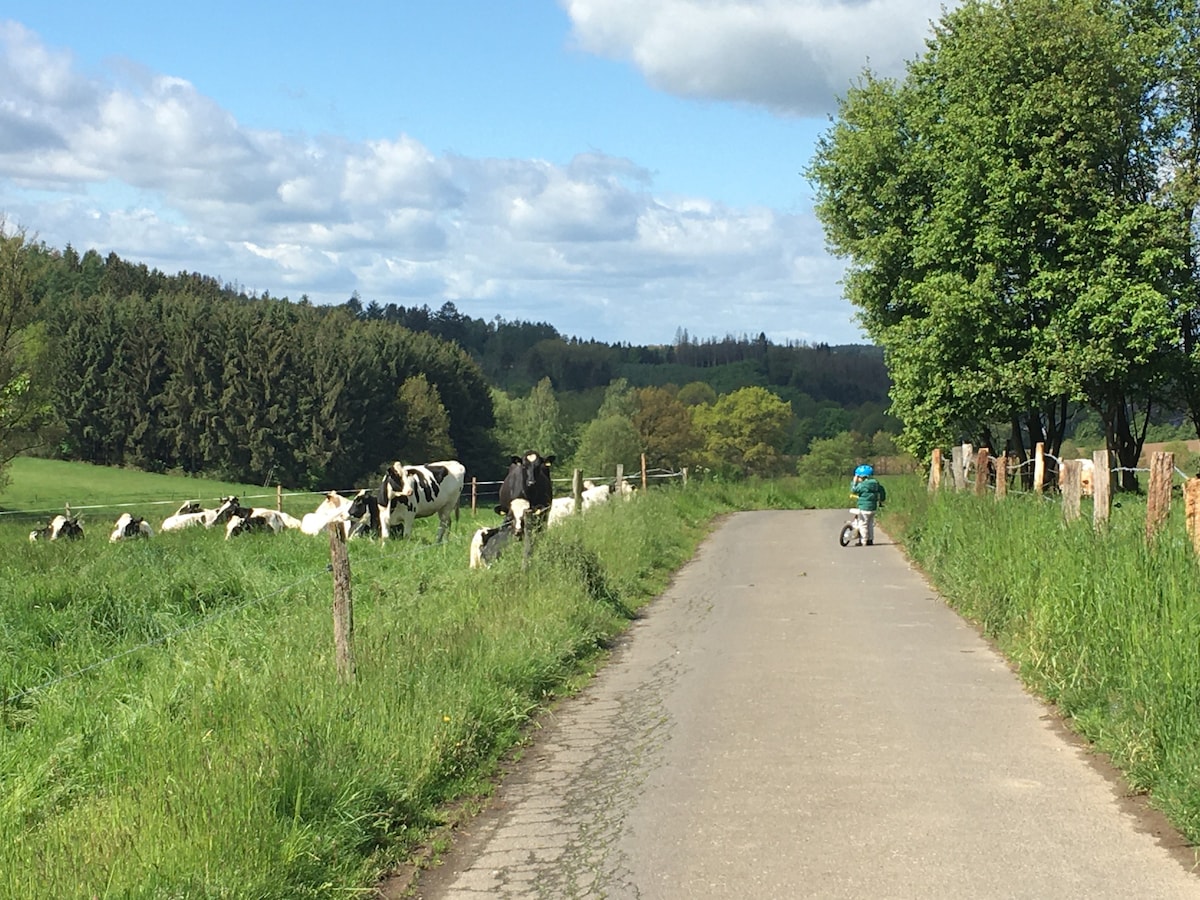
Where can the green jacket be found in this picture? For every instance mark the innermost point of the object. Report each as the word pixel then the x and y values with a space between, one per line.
pixel 870 494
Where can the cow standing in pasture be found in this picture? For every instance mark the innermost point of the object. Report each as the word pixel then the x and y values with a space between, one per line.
pixel 64 527
pixel 408 493
pixel 130 526
pixel 528 479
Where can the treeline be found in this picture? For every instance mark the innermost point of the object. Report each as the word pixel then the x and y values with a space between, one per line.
pixel 110 362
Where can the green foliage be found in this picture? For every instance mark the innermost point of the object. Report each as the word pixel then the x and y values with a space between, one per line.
pixel 664 425
pixel 697 393
pixel 1002 212
pixel 530 423
pixel 427 424
pixel 835 457
pixel 744 432
pixel 606 443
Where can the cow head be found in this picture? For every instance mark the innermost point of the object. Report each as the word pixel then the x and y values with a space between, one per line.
pixel 192 506
pixel 228 508
pixel 528 479
pixel 129 526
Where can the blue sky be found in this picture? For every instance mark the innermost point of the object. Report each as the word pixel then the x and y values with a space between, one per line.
pixel 618 168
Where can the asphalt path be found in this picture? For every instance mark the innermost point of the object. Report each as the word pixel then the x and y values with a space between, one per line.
pixel 796 719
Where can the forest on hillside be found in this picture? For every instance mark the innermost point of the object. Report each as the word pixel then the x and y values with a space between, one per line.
pixel 111 362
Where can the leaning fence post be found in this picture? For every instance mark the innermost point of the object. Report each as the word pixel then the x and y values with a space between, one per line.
pixel 1101 488
pixel 343 605
pixel 935 470
pixel 1070 481
pixel 1158 495
pixel 1191 505
pixel 1002 476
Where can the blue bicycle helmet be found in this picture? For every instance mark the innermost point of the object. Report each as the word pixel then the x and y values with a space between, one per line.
pixel 864 471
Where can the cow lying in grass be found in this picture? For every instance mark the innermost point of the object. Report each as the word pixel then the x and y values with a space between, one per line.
pixel 191 513
pixel 488 543
pixel 129 526
pixel 66 527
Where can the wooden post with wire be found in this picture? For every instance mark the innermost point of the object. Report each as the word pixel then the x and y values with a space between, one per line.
pixel 343 604
pixel 1001 476
pixel 935 469
pixel 577 490
pixel 644 481
pixel 474 493
pixel 279 498
pixel 1158 495
pixel 1039 468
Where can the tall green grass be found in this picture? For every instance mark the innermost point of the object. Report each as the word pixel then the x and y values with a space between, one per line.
pixel 1105 625
pixel 170 720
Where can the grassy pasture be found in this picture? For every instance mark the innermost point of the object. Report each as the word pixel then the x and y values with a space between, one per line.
pixel 170 723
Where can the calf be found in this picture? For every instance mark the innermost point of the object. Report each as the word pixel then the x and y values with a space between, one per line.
pixel 489 543
pixel 66 527
pixel 252 523
pixel 129 526
pixel 408 493
pixel 594 495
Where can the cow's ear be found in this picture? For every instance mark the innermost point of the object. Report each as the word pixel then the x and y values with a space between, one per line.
pixel 550 460
pixel 515 460
pixel 499 510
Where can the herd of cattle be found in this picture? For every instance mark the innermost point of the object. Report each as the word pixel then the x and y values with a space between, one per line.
pixel 405 494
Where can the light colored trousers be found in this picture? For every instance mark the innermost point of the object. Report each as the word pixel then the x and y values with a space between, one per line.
pixel 866 525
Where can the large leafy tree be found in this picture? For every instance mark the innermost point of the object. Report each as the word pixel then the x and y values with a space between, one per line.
pixel 25 408
pixel 745 431
pixel 998 207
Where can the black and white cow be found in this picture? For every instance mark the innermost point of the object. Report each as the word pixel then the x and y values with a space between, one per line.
pixel 231 507
pixel 408 493
pixel 66 527
pixel 528 479
pixel 130 526
pixel 191 513
pixel 334 508
pixel 363 514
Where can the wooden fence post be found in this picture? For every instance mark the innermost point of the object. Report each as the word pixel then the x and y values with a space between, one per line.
pixel 684 472
pixel 1191 505
pixel 1002 476
pixel 644 482
pixel 474 493
pixel 957 468
pixel 343 604
pixel 1039 468
pixel 1158 495
pixel 1101 488
pixel 1070 481
pixel 981 471
pixel 620 473
pixel 577 489
pixel 935 469
pixel 279 498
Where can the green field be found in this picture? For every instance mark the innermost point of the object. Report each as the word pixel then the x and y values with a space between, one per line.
pixel 172 723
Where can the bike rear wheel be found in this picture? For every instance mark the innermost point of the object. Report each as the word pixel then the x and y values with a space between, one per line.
pixel 848 534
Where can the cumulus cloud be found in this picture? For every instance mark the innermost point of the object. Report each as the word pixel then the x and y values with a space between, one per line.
pixel 142 164
pixel 790 56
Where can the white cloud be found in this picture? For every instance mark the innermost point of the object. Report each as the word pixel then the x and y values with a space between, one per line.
pixel 142 164
pixel 791 57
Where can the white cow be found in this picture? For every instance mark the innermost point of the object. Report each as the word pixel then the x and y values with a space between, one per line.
pixel 232 507
pixel 561 509
pixel 334 508
pixel 129 526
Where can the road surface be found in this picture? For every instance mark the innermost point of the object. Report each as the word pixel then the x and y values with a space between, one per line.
pixel 793 719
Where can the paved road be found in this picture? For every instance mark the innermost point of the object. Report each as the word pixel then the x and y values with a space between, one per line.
pixel 793 719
